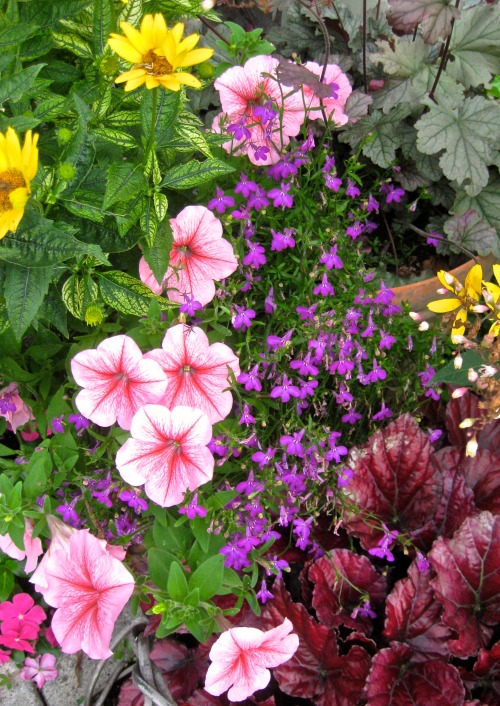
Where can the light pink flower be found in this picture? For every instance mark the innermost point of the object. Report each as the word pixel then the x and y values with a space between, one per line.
pixel 60 534
pixel 197 372
pixel 168 452
pixel 334 107
pixel 241 658
pixel 32 547
pixel 148 278
pixel 241 90
pixel 89 588
pixel 39 669
pixel 118 380
pixel 13 408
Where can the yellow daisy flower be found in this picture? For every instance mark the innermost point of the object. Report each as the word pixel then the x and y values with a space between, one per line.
pixel 466 297
pixel 157 53
pixel 492 301
pixel 17 169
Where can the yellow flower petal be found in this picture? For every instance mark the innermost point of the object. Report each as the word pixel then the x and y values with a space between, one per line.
pixel 493 289
pixel 152 82
pixel 12 147
pixel 131 75
pixel 121 46
pixel 19 198
pixel 442 306
pixel 197 56
pixel 135 37
pixel 441 277
pixel 495 329
pixel 187 79
pixel 473 281
pixel 29 156
pixel 496 272
pixel 135 83
pixel 177 31
pixel 458 327
pixel 188 43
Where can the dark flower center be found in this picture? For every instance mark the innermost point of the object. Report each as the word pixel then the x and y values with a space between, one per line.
pixel 156 65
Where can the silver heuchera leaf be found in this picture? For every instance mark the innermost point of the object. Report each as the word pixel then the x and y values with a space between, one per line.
pixel 472 232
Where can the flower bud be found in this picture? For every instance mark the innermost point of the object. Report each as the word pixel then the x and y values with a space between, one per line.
pixel 66 171
pixel 64 135
pixel 457 362
pixel 472 375
pixel 459 392
pixel 471 448
pixel 466 423
pixel 424 326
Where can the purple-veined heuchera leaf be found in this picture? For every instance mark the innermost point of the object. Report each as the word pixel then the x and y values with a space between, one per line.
pixel 467 582
pixel 435 16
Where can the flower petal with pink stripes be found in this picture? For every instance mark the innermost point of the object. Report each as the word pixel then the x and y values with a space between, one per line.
pixel 199 255
pixel 197 372
pixel 117 381
pixel 167 452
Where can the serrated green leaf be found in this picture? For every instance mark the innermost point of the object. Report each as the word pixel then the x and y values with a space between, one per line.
pixel 487 202
pixel 103 24
pixel 169 104
pixel 101 106
pixel 475 46
pixel 85 204
pixel 157 254
pixel 195 138
pixel 78 293
pixel 15 87
pixel 13 35
pixel 187 176
pixel 177 585
pixel 148 220
pixel 124 118
pixel 4 317
pixel 132 12
pixel 116 137
pixel 42 242
pixel 472 232
pixel 127 294
pixel 25 289
pixel 161 205
pixel 54 312
pixel 123 182
pixel 73 43
pixel 50 108
pixel 468 135
pixel 208 577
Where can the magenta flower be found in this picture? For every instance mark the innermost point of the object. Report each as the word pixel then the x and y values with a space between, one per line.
pixel 325 288
pixel 117 381
pixel 281 197
pixel 256 257
pixel 220 202
pixel 243 318
pixel 331 259
pixel 264 594
pixel 241 658
pixel 89 587
pixel 167 452
pixel 242 90
pixel 39 669
pixel 285 390
pixel 197 373
pixel 251 379
pixel 334 106
pixel 17 639
pixel 284 240
pixel 21 611
pixel 4 656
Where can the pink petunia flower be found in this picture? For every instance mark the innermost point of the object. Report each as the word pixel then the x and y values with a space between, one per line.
pixel 89 588
pixel 241 658
pixel 21 611
pixel 254 103
pixel 199 256
pixel 13 408
pixel 32 547
pixel 168 452
pixel 341 90
pixel 60 534
pixel 39 669
pixel 197 372
pixel 117 381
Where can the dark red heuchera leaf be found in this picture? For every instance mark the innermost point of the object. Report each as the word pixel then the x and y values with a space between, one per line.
pixel 466 407
pixel 482 474
pixel 395 681
pixel 413 616
pixel 467 582
pixel 201 698
pixel 181 667
pixel 336 577
pixel 130 695
pixel 488 668
pixel 455 504
pixel 393 477
pixel 316 670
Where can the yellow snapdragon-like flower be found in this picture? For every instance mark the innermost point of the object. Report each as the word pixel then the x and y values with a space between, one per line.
pixel 17 169
pixel 466 297
pixel 493 291
pixel 157 53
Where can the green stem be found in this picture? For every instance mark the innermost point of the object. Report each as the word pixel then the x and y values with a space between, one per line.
pixel 153 125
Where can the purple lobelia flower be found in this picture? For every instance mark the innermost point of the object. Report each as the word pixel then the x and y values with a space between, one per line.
pixel 285 391
pixel 239 130
pixel 264 594
pixel 382 550
pixel 281 197
pixel 192 509
pixel 263 458
pixel 251 379
pixel 190 306
pixel 246 416
pixel 256 256
pixel 324 288
pixel 352 189
pixel 269 304
pixel 245 186
pixel 284 240
pixel 331 259
pixel 133 500
pixel 220 202
pixel 258 200
pixel 243 318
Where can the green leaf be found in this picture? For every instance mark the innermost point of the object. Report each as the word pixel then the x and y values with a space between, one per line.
pixel 123 118
pixel 103 24
pixel 123 182
pixel 116 137
pixel 435 16
pixel 475 46
pixel 128 294
pixel 487 202
pixel 468 135
pixel 161 205
pixel 101 106
pixel 157 254
pixel 199 526
pixel 25 289
pixel 149 220
pixel 77 293
pixel 132 12
pixel 38 471
pixel 54 312
pixel 50 108
pixel 14 88
pixel 208 577
pixel 13 35
pixel 177 585
pixel 73 43
pixel 169 104
pixel 472 232
pixel 42 242
pixel 159 562
pixel 85 204
pixel 451 376
pixel 379 135
pixel 6 583
pixel 187 176
pixel 194 137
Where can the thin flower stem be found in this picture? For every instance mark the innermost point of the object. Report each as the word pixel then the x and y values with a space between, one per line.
pixel 153 125
pixel 444 58
pixel 326 40
pixel 423 234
